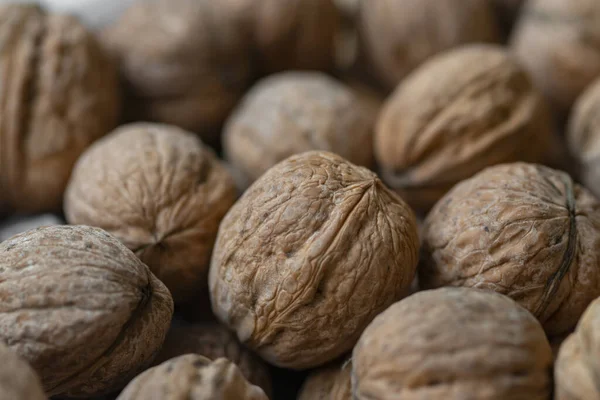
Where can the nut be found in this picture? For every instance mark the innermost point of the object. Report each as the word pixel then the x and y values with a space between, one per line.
pixel 168 210
pixel 398 35
pixel 480 110
pixel 312 251
pixel 18 381
pixel 80 308
pixel 453 343
pixel 294 112
pixel 329 383
pixel 523 230
pixel 59 93
pixel 192 377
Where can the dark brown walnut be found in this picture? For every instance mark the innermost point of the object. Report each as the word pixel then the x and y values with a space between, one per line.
pixel 312 251
pixel 293 112
pixel 399 35
pixel 453 343
pixel 558 42
pixel 160 191
pixel 192 377
pixel 523 230
pixel 80 308
pixel 18 381
pixel 480 110
pixel 328 383
pixel 59 94
pixel 212 340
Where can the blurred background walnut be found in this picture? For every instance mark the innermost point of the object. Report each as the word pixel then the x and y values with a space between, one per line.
pixel 328 383
pixel 18 381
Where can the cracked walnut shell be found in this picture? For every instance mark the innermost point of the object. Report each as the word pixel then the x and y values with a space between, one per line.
pixel 161 192
pixel 18 381
pixel 312 251
pixel 59 94
pixel 523 230
pixel 328 383
pixel 453 343
pixel 80 308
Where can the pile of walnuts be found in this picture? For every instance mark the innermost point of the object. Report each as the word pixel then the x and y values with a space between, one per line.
pixel 300 199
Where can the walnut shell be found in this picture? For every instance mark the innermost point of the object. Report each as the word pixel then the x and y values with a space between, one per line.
pixel 59 94
pixel 161 192
pixel 557 41
pixel 398 35
pixel 312 251
pixel 80 308
pixel 523 230
pixel 328 383
pixel 294 112
pixel 192 377
pixel 18 381
pixel 480 110
pixel 453 343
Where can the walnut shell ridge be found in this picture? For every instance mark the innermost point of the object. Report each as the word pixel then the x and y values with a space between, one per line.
pixel 328 383
pixel 305 259
pixel 18 381
pixel 59 94
pixel 80 308
pixel 523 230
pixel 453 343
pixel 161 192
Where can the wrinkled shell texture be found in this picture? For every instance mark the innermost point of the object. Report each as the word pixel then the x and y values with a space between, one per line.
pixel 558 42
pixel 59 93
pixel 80 308
pixel 584 137
pixel 480 110
pixel 161 192
pixel 398 35
pixel 192 377
pixel 577 368
pixel 212 340
pixel 18 381
pixel 522 230
pixel 329 383
pixel 308 256
pixel 453 343
pixel 295 112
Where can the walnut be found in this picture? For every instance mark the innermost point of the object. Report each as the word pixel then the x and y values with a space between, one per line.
pixel 453 343
pixel 212 340
pixel 18 381
pixel 192 377
pixel 59 93
pixel 398 35
pixel 328 383
pixel 312 251
pixel 294 112
pixel 480 110
pixel 522 230
pixel 80 308
pixel 557 42
pixel 19 224
pixel 161 192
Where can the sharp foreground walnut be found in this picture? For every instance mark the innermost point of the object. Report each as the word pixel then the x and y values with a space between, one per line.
pixel 58 93
pixel 80 308
pixel 308 256
pixel 479 110
pixel 328 383
pixel 453 343
pixel 523 230
pixel 161 192
pixel 192 377
pixel 18 381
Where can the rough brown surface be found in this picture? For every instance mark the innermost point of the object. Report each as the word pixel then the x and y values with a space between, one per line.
pixel 293 112
pixel 18 381
pixel 80 308
pixel 161 192
pixel 328 383
pixel 192 377
pixel 480 110
pixel 398 35
pixel 523 230
pixel 308 256
pixel 453 343
pixel 558 42
pixel 58 94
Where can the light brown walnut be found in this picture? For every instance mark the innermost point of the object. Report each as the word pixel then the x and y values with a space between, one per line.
pixel 453 344
pixel 328 383
pixel 312 251
pixel 18 381
pixel 80 308
pixel 161 192
pixel 523 230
